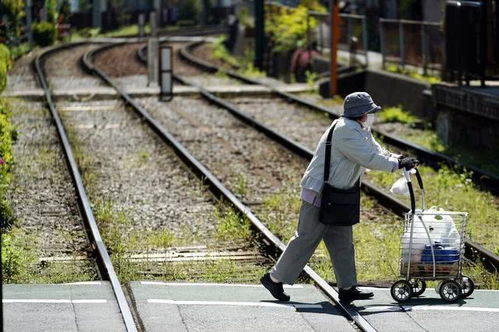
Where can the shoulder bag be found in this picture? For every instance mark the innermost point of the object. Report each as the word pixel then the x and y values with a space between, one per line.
pixel 339 207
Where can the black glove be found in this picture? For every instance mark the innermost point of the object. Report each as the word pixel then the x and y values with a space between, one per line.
pixel 408 163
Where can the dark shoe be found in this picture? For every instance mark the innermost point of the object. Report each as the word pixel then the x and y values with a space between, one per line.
pixel 349 295
pixel 275 288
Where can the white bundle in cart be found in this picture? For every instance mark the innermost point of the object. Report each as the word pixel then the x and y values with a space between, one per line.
pixel 434 238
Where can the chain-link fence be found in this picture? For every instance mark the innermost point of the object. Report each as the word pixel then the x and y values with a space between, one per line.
pixel 415 43
pixel 353 35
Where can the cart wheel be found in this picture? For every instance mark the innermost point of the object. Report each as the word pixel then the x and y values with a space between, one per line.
pixel 401 291
pixel 418 287
pixel 450 291
pixel 467 286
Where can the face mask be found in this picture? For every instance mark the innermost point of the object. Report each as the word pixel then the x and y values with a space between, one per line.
pixel 371 117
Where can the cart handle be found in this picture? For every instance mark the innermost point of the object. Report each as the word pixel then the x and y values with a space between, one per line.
pixel 419 178
pixel 407 176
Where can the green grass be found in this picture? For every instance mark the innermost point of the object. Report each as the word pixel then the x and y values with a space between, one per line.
pixel 413 74
pixel 128 30
pixel 231 227
pixel 396 114
pixel 241 187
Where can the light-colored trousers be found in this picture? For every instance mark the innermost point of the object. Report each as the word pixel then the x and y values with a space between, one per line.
pixel 310 232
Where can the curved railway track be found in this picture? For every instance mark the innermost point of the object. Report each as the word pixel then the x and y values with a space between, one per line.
pixel 485 179
pixel 472 250
pixel 217 187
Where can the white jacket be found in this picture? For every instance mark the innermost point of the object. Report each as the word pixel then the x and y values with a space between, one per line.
pixel 353 149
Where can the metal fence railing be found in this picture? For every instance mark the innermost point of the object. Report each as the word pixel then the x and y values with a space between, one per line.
pixel 416 43
pixel 353 34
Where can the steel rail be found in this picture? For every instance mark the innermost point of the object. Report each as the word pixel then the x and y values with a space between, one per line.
pixel 104 261
pixel 485 178
pixel 472 250
pixel 218 188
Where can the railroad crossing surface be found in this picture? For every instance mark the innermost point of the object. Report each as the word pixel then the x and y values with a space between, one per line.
pixel 164 306
pixel 81 306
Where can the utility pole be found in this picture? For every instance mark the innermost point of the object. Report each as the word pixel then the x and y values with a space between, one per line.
pixel 97 14
pixel 157 9
pixel 259 33
pixel 335 37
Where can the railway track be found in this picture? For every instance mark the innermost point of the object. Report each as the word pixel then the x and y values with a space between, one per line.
pixel 485 179
pixel 180 214
pixel 247 114
pixel 211 179
pixel 106 268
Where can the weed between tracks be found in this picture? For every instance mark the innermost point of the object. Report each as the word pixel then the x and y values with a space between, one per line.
pixel 24 246
pixel 141 253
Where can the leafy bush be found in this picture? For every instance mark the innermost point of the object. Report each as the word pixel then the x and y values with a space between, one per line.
pixel 5 64
pixel 44 33
pixel 288 27
pixel 6 133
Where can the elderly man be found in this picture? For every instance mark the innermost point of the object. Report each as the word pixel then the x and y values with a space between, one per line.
pixel 353 149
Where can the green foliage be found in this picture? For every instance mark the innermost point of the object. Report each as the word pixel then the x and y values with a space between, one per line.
pixel 5 64
pixel 288 28
pixel 189 10
pixel 17 256
pixel 6 137
pixel 52 14
pixel 219 51
pixel 311 77
pixel 413 74
pixel 396 114
pixel 44 33
pixel 13 8
pixel 241 188
pixel 231 226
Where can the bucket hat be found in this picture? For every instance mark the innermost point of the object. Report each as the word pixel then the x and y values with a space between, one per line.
pixel 357 104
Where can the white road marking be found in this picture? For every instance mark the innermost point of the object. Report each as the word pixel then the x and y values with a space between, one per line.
pixel 395 308
pixel 244 304
pixel 161 283
pixel 83 283
pixel 52 301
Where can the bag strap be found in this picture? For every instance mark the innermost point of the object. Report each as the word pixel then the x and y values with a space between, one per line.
pixel 327 162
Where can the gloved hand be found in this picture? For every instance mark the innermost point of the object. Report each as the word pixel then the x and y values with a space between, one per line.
pixel 408 163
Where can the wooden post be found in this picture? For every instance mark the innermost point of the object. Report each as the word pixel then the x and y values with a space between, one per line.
pixel 335 37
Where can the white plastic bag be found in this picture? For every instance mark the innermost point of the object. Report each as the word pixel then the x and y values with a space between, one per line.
pixel 400 186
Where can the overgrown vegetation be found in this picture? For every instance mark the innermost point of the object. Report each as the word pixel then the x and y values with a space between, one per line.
pixel 243 65
pixel 44 33
pixel 396 114
pixel 430 79
pixel 287 28
pixel 7 134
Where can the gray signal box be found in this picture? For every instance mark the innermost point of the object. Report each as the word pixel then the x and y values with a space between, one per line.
pixel 166 73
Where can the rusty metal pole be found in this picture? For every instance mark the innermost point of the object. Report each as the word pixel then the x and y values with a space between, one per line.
pixel 335 37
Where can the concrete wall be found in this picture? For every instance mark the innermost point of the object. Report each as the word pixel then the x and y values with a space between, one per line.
pixel 388 89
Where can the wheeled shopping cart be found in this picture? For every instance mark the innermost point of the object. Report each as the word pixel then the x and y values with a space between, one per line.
pixel 432 248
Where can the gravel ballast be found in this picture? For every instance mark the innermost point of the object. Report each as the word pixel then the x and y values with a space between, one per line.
pixel 42 194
